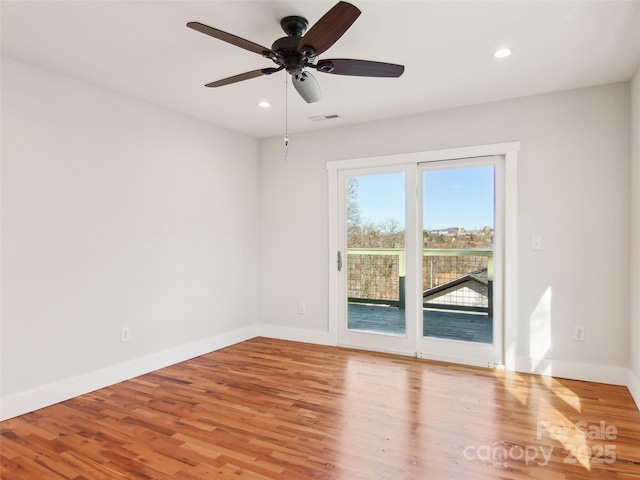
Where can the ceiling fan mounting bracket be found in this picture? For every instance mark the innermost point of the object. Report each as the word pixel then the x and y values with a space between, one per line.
pixel 294 26
pixel 326 67
pixel 270 56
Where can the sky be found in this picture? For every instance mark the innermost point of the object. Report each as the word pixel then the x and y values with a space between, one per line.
pixel 461 197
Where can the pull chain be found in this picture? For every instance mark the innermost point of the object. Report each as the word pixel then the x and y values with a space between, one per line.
pixel 286 118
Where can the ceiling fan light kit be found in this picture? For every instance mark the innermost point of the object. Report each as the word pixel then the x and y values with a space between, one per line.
pixel 299 51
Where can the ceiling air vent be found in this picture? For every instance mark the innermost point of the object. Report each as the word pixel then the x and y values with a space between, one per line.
pixel 320 118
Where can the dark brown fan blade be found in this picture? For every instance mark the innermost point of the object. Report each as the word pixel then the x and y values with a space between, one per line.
pixel 243 76
pixel 328 29
pixel 229 38
pixel 360 68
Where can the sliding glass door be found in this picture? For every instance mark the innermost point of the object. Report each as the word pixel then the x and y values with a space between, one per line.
pixel 420 259
pixel 460 211
pixel 374 256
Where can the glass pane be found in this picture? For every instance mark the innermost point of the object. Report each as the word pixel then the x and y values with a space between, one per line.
pixel 457 260
pixel 376 253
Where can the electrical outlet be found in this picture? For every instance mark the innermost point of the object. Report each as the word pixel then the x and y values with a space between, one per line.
pixel 125 334
pixel 578 333
pixel 302 308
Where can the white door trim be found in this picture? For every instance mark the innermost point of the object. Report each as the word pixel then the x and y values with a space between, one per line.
pixel 510 151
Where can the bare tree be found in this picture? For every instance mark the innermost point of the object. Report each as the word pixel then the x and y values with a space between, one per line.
pixel 354 218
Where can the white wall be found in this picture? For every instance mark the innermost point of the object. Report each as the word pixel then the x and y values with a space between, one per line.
pixel 117 213
pixel 573 189
pixel 634 335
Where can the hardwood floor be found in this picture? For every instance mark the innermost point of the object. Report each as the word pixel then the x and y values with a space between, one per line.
pixel 270 409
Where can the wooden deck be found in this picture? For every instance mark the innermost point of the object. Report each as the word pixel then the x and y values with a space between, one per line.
pixel 269 409
pixel 470 327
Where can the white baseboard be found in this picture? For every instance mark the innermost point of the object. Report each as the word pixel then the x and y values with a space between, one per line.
pixel 461 360
pixel 24 402
pixel 556 368
pixel 404 353
pixel 35 399
pixel 573 370
pixel 295 334
pixel 633 384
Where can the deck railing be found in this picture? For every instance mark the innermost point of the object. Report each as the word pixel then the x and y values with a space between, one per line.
pixel 377 276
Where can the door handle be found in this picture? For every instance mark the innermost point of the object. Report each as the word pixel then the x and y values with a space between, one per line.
pixel 339 261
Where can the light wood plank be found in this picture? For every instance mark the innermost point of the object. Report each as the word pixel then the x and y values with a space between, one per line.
pixel 271 409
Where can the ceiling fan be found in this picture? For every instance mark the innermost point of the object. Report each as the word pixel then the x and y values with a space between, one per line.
pixel 298 51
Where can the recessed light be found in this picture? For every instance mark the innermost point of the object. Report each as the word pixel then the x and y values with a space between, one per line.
pixel 264 104
pixel 502 53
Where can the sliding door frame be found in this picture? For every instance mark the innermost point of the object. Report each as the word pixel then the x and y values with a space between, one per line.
pixel 510 292
pixel 451 349
pixel 389 343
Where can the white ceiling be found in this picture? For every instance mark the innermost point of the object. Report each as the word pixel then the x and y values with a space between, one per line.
pixel 143 49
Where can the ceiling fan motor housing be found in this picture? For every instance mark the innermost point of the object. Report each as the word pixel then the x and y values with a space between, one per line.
pixel 286 49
